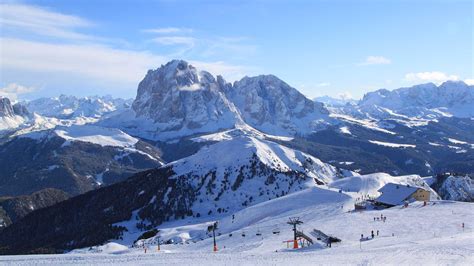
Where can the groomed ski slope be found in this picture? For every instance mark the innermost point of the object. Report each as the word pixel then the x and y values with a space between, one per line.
pixel 421 235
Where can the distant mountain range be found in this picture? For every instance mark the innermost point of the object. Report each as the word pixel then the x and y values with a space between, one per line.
pixel 216 148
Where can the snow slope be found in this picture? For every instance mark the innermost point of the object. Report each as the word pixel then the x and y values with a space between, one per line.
pixel 431 234
pixel 96 135
pixel 88 133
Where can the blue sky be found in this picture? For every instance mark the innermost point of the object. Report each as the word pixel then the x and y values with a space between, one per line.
pixel 336 48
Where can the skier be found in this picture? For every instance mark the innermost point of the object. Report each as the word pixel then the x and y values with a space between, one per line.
pixel 377 232
pixel 374 219
pixel 372 234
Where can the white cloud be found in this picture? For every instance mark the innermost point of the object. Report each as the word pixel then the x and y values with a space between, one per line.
pixel 168 30
pixel 434 76
pixel 90 61
pixel 375 60
pixel 71 61
pixel 469 81
pixel 41 21
pixel 101 63
pixel 13 90
pixel 175 40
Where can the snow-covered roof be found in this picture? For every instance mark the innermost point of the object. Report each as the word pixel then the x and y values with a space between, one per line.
pixel 395 194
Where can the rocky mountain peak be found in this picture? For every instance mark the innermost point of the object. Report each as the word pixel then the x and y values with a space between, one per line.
pixel 178 97
pixel 6 109
pixel 269 104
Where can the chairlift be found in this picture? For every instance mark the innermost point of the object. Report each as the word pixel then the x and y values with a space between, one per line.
pixel 276 231
pixel 258 233
pixel 243 234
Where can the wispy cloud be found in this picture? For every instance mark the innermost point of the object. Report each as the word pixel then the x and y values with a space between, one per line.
pixel 62 54
pixel 175 40
pixel 13 90
pixel 41 21
pixel 91 61
pixel 169 30
pixel 201 45
pixel 96 63
pixel 434 76
pixel 375 60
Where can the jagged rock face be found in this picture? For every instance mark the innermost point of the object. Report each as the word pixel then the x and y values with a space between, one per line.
pixel 12 117
pixel 268 103
pixel 20 109
pixel 177 97
pixel 454 187
pixel 6 109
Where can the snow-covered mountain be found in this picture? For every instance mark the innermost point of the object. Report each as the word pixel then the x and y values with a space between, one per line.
pixel 75 159
pixel 239 171
pixel 12 116
pixel 70 107
pixel 424 101
pixel 335 102
pixel 241 181
pixel 272 106
pixel 177 100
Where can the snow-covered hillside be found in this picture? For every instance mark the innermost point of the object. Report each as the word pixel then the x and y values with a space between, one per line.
pixel 75 159
pixel 432 234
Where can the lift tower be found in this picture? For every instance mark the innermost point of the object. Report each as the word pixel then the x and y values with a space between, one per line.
pixel 294 221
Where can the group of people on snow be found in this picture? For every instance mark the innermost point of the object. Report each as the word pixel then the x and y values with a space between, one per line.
pixel 381 218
